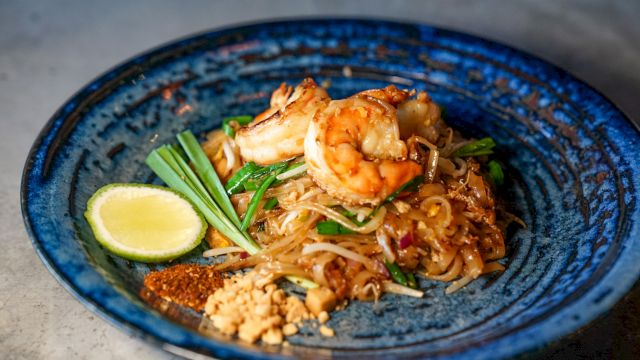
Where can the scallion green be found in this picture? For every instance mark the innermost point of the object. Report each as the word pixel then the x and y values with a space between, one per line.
pixel 171 167
pixel 270 203
pixel 495 170
pixel 242 120
pixel 411 280
pixel 411 185
pixel 207 174
pixel 263 171
pixel 255 200
pixel 396 273
pixel 236 183
pixel 479 147
pixel 330 227
pixel 251 185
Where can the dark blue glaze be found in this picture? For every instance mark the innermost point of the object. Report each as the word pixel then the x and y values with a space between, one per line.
pixel 572 176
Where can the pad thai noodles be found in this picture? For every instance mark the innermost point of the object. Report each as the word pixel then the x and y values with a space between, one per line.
pixel 358 195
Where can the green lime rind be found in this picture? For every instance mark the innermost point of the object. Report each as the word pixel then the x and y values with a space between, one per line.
pixel 139 255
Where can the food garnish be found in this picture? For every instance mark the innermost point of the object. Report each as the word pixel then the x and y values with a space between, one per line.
pixel 257 196
pixel 174 170
pixel 185 284
pixel 144 222
pixel 495 170
pixel 252 307
pixel 480 147
pixel 240 120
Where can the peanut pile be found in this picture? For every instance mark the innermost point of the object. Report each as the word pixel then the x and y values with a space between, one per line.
pixel 255 309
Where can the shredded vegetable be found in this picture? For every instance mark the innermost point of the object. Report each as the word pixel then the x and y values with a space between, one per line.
pixel 293 171
pixel 222 251
pixel 394 288
pixel 308 249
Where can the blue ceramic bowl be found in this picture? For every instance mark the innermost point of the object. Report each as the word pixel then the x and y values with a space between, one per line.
pixel 572 161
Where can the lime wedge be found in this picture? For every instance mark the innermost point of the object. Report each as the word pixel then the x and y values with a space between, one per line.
pixel 144 222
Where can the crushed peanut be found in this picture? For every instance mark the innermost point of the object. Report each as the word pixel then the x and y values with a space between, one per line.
pixel 289 329
pixel 433 210
pixel 401 206
pixel 255 310
pixel 273 336
pixel 326 331
pixel 323 317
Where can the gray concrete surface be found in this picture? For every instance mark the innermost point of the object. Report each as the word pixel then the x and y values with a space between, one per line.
pixel 50 49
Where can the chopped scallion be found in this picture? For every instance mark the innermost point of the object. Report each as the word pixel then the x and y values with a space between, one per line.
pixel 242 120
pixel 255 200
pixel 396 273
pixel 495 170
pixel 236 183
pixel 411 185
pixel 411 280
pixel 479 147
pixel 270 204
pixel 251 185
pixel 330 227
pixel 263 171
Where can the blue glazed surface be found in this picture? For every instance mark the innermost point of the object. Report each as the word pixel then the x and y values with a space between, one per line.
pixel 572 176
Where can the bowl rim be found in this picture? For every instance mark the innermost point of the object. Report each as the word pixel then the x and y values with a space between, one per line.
pixel 229 349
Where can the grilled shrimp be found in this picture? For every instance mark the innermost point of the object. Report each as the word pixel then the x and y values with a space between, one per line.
pixel 277 134
pixel 390 94
pixel 417 116
pixel 353 150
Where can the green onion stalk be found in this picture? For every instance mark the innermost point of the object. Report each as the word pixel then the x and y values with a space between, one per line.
pixel 205 190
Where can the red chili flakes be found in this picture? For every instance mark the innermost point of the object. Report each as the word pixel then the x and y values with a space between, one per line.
pixel 185 284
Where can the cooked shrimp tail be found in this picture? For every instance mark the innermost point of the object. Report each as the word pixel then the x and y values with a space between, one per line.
pixel 390 94
pixel 354 152
pixel 277 134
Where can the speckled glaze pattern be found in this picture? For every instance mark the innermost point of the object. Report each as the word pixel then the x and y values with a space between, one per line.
pixel 572 169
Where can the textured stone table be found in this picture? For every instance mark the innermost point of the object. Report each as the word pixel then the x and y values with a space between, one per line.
pixel 50 49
